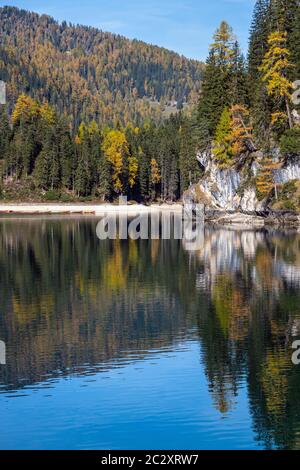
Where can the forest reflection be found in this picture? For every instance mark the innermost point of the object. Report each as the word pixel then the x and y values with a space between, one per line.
pixel 71 304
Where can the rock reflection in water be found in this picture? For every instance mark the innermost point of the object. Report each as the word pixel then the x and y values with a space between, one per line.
pixel 71 304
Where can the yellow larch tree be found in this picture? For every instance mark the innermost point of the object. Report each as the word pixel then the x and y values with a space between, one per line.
pixel 26 108
pixel 265 181
pixel 115 148
pixel 274 68
pixel 133 167
pixel 241 129
pixel 155 176
pixel 47 113
pixel 155 173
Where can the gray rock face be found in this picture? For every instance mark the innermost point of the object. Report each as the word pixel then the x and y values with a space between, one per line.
pixel 204 159
pixel 225 189
pixel 249 201
pixel 221 188
pixel 291 171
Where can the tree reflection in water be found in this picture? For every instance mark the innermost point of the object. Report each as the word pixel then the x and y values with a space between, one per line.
pixel 72 304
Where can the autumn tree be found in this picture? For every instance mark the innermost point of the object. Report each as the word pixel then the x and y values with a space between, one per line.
pixel 241 135
pixel 47 114
pixel 115 148
pixel 26 110
pixel 274 67
pixel 155 176
pixel 265 182
pixel 222 46
pixel 132 171
pixel 234 135
pixel 222 145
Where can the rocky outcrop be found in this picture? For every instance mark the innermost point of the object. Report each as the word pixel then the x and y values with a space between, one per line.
pixel 221 187
pixel 289 172
pixel 249 203
pixel 238 218
pixel 232 190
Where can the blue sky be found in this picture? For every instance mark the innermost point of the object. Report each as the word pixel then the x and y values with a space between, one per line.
pixel 185 26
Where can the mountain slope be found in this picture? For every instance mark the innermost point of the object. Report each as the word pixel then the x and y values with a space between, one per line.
pixel 87 73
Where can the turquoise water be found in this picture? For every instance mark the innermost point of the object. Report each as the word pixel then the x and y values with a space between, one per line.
pixel 144 345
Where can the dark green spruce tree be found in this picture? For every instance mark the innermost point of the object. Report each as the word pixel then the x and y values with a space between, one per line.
pixel 224 83
pixel 295 43
pixel 189 169
pixel 238 85
pixel 5 136
pixel 259 101
pixel 47 171
pixel 259 32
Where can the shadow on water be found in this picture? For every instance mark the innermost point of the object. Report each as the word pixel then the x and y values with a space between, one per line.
pixel 71 304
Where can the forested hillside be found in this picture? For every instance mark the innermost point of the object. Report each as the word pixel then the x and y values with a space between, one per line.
pixel 89 74
pixel 244 127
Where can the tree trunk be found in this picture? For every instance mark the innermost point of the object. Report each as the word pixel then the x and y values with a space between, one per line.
pixel 291 124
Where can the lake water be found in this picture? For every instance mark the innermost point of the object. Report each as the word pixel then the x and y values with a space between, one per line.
pixel 144 344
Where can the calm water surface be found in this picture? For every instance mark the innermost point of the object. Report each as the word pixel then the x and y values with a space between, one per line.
pixel 143 344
